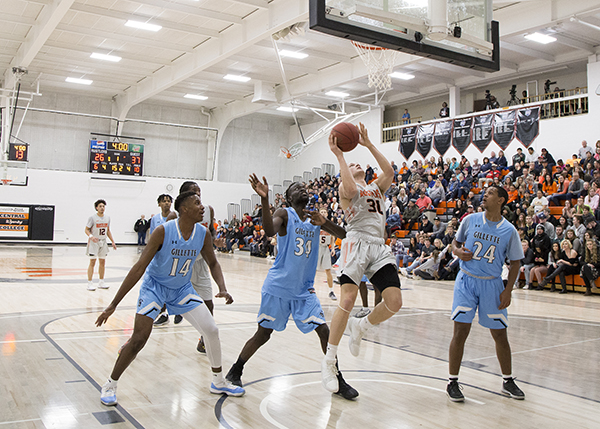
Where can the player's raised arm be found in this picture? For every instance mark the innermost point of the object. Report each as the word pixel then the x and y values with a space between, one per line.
pixel 216 273
pixel 348 187
pixel 272 224
pixel 135 273
pixel 385 179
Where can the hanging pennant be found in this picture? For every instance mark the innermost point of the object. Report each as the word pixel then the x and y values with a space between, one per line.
pixel 407 141
pixel 425 138
pixel 528 125
pixel 461 134
pixel 482 131
pixel 442 137
pixel 504 128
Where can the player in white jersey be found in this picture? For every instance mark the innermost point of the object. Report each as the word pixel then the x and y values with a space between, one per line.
pixel 483 242
pixel 364 252
pixel 326 240
pixel 97 229
pixel 166 262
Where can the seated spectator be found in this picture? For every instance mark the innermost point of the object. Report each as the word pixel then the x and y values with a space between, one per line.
pixel 429 269
pixel 398 250
pixel 560 233
pixel 567 264
pixel 426 251
pixel 547 225
pixel 393 222
pixel 590 266
pixel 539 203
pixel 439 228
pixel 437 193
pixel 426 227
pixel 593 228
pixel 413 252
pixel 424 202
pixel 470 210
pixel 411 215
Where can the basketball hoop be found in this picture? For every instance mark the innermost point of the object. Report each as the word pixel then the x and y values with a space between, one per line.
pixel 6 181
pixel 380 64
pixel 284 153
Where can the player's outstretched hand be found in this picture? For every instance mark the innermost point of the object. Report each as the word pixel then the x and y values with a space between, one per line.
pixel 363 135
pixel 228 298
pixel 114 246
pixel 333 145
pixel 315 217
pixel 105 315
pixel 463 254
pixel 262 189
pixel 505 297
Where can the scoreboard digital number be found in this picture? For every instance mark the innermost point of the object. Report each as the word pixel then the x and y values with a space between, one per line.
pixel 116 158
pixel 18 152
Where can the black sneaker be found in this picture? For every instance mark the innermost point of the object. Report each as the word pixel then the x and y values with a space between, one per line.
pixel 200 347
pixel 234 376
pixel 454 391
pixel 162 319
pixel 178 319
pixel 345 391
pixel 510 388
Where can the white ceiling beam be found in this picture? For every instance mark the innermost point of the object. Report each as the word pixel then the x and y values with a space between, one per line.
pixel 310 52
pixel 48 20
pixel 261 4
pixel 125 16
pixel 137 40
pixel 88 50
pixel 272 63
pixel 526 51
pixel 573 43
pixel 505 64
pixel 195 10
pixel 235 39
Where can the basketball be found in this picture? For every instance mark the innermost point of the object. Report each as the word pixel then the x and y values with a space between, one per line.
pixel 347 136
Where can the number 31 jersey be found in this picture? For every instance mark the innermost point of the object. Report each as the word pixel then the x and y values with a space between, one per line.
pixel 293 273
pixel 366 212
pixel 172 264
pixel 491 243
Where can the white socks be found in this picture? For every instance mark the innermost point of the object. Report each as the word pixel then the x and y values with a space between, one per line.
pixel 331 352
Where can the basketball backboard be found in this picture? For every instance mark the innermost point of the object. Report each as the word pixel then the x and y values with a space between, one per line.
pixel 13 173
pixel 459 32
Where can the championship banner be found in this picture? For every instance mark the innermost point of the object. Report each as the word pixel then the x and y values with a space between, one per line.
pixel 504 128
pixel 425 138
pixel 482 131
pixel 14 222
pixel 461 134
pixel 407 141
pixel 528 125
pixel 442 137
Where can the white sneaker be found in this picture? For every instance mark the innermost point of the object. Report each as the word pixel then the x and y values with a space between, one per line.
pixel 356 334
pixel 227 388
pixel 332 296
pixel 362 312
pixel 109 394
pixel 404 272
pixel 102 285
pixel 329 374
pixel 91 286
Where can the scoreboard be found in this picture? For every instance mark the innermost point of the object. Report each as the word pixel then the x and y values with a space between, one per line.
pixel 116 158
pixel 18 152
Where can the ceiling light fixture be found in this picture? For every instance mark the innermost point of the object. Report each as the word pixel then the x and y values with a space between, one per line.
pixel 286 109
pixel 195 97
pixel 236 78
pixel 79 81
pixel 544 39
pixel 337 94
pixel 403 76
pixel 292 54
pixel 143 25
pixel 106 57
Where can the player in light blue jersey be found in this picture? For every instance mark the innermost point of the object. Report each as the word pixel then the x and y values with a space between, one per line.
pixel 483 243
pixel 289 286
pixel 167 262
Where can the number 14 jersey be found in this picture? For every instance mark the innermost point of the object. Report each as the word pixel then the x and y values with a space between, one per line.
pixel 366 212
pixel 292 276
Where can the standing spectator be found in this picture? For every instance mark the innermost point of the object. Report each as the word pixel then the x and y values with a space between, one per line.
pixel 369 173
pixel 141 227
pixel 398 250
pixel 97 229
pixel 444 111
pixel 527 263
pixel 406 117
pixel 584 149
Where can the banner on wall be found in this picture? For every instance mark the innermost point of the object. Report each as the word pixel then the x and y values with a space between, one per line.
pixel 407 141
pixel 442 137
pixel 14 221
pixel 504 128
pixel 528 125
pixel 482 131
pixel 424 139
pixel 461 134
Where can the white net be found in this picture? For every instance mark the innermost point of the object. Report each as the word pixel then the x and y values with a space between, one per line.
pixel 380 64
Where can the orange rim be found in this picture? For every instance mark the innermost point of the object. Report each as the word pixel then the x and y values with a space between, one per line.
pixel 368 47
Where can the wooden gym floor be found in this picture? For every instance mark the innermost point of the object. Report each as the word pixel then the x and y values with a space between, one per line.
pixel 54 359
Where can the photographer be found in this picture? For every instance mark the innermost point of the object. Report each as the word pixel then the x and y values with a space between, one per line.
pixel 492 103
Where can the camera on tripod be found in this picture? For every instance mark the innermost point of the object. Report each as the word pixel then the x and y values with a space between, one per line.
pixel 547 86
pixel 513 91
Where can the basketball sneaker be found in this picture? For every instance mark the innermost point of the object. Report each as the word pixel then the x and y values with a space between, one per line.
pixel 178 319
pixel 329 375
pixel 234 376
pixel 91 286
pixel 162 319
pixel 356 333
pixel 332 296
pixel 200 347
pixel 454 391
pixel 108 396
pixel 227 388
pixel 102 285
pixel 345 391
pixel 362 312
pixel 510 388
